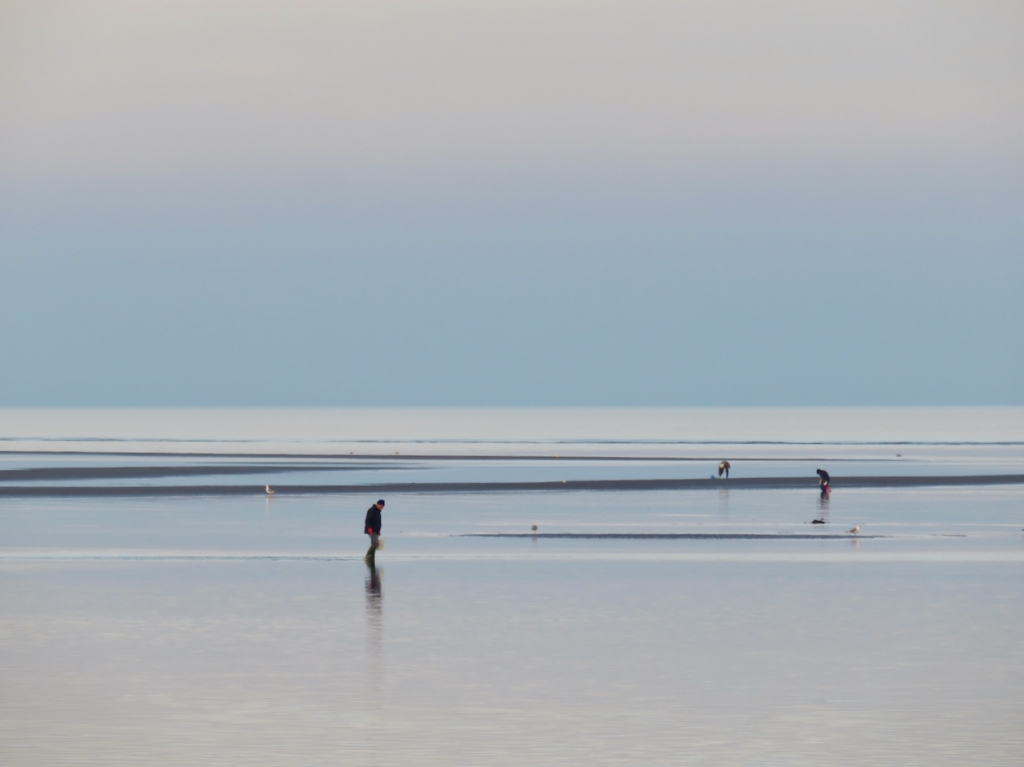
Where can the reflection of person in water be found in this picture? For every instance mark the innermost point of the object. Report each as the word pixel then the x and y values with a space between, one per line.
pixel 724 467
pixel 373 592
pixel 823 480
pixel 374 627
pixel 374 600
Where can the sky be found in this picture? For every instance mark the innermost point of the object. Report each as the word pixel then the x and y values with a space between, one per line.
pixel 304 203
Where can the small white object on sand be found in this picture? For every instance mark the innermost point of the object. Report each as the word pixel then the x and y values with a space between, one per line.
pixel 269 491
pixel 854 530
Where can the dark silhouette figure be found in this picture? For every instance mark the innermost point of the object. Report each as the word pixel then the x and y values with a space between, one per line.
pixel 723 468
pixel 824 479
pixel 372 528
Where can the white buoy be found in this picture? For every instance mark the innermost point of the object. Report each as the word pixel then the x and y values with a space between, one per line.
pixel 269 491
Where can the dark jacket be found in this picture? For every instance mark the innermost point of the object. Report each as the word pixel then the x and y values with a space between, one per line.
pixel 823 477
pixel 372 520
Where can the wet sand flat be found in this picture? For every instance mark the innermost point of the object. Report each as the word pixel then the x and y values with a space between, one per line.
pixel 553 591
pixel 241 630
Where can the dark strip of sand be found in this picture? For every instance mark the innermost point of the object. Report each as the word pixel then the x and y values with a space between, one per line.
pixel 64 473
pixel 745 483
pixel 673 536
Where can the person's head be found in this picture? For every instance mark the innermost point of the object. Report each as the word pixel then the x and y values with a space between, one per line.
pixel 380 504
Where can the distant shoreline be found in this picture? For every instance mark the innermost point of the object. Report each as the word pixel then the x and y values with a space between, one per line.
pixel 741 483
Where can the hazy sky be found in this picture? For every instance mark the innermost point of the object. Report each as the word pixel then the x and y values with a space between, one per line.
pixel 550 203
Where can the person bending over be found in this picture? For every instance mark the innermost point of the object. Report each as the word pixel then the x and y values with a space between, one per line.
pixel 823 480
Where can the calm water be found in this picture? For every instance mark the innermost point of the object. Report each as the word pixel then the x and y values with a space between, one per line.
pixel 247 630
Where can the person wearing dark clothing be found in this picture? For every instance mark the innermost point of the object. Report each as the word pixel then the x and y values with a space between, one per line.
pixel 372 528
pixel 723 468
pixel 823 480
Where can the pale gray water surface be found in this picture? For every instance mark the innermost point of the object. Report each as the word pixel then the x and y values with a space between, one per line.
pixel 247 630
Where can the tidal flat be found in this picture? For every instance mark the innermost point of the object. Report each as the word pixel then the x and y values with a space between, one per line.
pixel 250 631
pixel 731 621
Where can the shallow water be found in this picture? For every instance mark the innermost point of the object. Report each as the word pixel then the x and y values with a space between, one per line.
pixel 316 447
pixel 247 630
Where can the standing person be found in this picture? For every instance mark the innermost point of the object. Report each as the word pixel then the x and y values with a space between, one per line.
pixel 823 480
pixel 372 528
